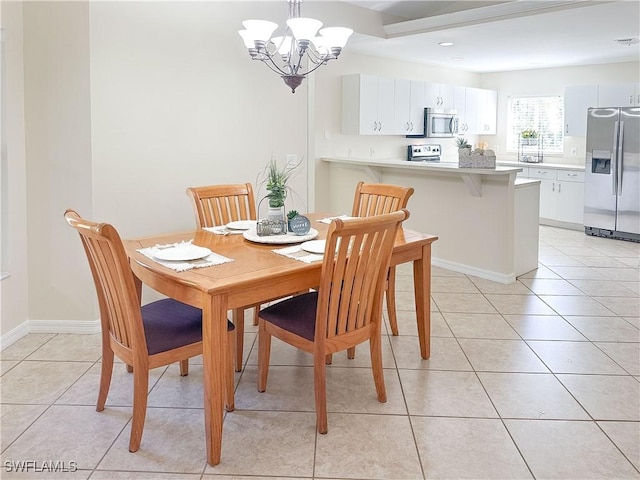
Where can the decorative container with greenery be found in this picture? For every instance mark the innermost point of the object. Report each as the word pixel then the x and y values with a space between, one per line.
pixel 479 158
pixel 276 183
pixel 529 137
pixel 274 179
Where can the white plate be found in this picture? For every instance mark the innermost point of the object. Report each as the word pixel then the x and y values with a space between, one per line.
pixel 182 253
pixel 314 246
pixel 241 225
pixel 252 236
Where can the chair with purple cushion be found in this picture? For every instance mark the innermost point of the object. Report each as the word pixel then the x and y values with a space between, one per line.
pixel 345 311
pixel 376 199
pixel 155 335
pixel 217 205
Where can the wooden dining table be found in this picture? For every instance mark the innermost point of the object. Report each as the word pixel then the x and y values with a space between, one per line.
pixel 256 275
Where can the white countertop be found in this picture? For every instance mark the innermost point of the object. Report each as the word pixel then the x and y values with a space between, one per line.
pixel 432 167
pixel 557 166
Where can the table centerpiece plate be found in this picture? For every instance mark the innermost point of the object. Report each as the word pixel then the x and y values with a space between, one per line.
pixel 253 236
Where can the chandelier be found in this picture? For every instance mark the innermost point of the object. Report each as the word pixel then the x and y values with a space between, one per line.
pixel 286 54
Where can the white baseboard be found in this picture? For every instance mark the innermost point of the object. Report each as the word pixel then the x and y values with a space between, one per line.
pixel 84 327
pixel 12 336
pixel 476 272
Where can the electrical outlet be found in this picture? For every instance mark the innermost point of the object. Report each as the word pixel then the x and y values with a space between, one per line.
pixel 574 152
pixel 292 160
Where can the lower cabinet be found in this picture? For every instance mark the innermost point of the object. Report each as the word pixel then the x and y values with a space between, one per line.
pixel 561 194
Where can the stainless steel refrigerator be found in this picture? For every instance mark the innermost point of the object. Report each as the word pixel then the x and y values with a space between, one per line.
pixel 612 173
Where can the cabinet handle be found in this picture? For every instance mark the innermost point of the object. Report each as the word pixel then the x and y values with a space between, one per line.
pixel 572 174
pixel 630 99
pixel 559 187
pixel 411 123
pixel 553 187
pixel 566 128
pixel 542 172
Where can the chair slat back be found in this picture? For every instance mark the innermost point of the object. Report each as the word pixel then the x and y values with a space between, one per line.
pixel 118 296
pixel 353 280
pixel 216 205
pixel 379 198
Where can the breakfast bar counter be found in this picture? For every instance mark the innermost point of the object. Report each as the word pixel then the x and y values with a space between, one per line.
pixel 486 219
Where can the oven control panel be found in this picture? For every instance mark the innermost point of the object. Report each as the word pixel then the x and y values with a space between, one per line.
pixel 424 152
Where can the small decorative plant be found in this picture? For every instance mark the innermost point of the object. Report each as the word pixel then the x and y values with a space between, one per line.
pixel 529 133
pixel 291 214
pixel 461 142
pixel 275 181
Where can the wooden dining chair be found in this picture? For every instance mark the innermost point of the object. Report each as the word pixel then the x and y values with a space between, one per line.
pixel 217 205
pixel 154 335
pixel 376 199
pixel 346 310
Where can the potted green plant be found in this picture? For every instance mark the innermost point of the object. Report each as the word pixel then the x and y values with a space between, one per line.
pixel 461 143
pixel 528 136
pixel 275 179
pixel 290 216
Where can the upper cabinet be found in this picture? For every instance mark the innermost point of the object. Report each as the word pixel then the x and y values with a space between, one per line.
pixel 477 110
pixel 409 107
pixel 487 123
pixel 625 95
pixel 466 103
pixel 577 99
pixel 440 96
pixel 373 105
pixel 368 105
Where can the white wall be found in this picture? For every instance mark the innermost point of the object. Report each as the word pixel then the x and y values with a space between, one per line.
pixel 13 303
pixel 58 156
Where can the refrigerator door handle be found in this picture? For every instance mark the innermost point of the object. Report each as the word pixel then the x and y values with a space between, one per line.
pixel 614 161
pixel 620 157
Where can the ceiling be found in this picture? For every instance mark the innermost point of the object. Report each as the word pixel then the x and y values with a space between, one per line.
pixel 497 36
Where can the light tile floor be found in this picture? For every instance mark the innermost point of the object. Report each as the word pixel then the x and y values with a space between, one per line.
pixel 538 379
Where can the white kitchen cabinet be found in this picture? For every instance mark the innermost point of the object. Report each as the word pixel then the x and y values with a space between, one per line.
pixel 440 96
pixel 368 105
pixel 477 110
pixel 577 99
pixel 624 95
pixel 466 103
pixel 409 107
pixel 570 197
pixel 561 194
pixel 487 123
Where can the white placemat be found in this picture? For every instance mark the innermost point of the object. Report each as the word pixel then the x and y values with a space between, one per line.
pixel 183 266
pixel 297 253
pixel 222 230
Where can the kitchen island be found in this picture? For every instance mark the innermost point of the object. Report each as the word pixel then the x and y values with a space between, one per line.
pixel 486 219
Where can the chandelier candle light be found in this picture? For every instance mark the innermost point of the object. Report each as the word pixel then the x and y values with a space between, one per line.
pixel 286 54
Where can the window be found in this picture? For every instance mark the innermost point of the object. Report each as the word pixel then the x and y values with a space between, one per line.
pixel 545 115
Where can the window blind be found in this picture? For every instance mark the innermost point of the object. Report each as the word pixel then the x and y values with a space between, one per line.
pixel 545 115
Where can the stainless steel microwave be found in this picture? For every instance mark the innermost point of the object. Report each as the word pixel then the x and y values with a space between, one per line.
pixel 440 123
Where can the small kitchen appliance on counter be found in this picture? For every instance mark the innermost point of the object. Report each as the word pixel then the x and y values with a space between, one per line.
pixel 423 153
